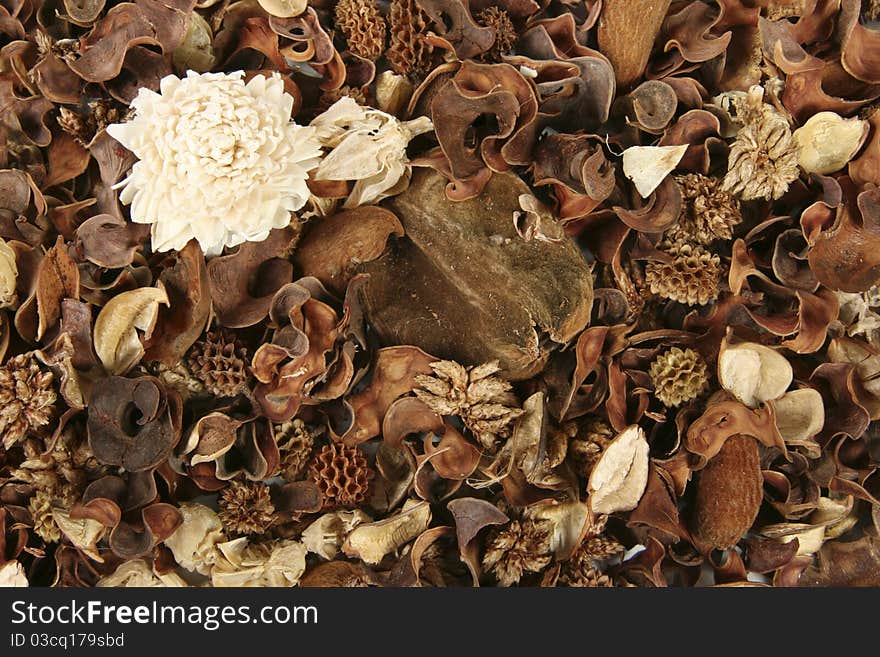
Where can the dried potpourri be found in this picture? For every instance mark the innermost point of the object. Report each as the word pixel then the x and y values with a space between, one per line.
pixel 439 293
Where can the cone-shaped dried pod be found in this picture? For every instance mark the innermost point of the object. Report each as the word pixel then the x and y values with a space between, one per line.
pixel 408 54
pixel 708 213
pixel 363 26
pixel 519 548
pixel 219 361
pixel 246 507
pixel 505 32
pixel 463 270
pixel 728 497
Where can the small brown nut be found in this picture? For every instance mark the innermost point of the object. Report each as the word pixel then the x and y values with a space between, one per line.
pixel 729 494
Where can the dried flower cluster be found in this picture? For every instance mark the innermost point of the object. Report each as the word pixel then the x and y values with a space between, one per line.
pixel 439 293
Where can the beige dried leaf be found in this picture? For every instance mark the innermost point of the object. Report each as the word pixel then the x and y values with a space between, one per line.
pixel 8 276
pixel 831 518
pixel 12 575
pixel 647 166
pixel 138 574
pixel 619 478
pixel 570 521
pixel 193 542
pixel 827 142
pixel 325 536
pixel 116 339
pixel 83 534
pixel 240 563
pixel 284 8
pixel 800 415
pixel 371 542
pixel 753 373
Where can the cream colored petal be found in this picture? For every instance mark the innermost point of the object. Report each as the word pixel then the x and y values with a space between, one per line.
pixel 647 166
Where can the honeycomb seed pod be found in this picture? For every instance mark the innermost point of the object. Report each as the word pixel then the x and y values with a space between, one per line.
pixel 363 26
pixel 219 361
pixel 679 375
pixel 407 53
pixel 693 276
pixel 342 474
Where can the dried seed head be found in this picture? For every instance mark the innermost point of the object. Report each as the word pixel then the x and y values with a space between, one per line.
pixel 708 213
pixel 408 54
pixel 763 159
pixel 871 10
pixel 692 277
pixel 27 398
pixel 342 475
pixel 363 26
pixel 678 376
pixel 40 506
pixel 484 402
pixel 522 546
pixel 295 443
pixel 246 508
pixel 176 377
pixel 219 361
pixel 585 448
pixel 505 32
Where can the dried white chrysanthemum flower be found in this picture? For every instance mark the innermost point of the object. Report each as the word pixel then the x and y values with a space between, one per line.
pixel 219 160
pixel 8 275
pixel 368 147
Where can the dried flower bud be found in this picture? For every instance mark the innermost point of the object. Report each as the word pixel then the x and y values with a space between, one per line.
pixel 692 278
pixel 246 508
pixel 763 159
pixel 518 548
pixel 8 276
pixel 484 402
pixel 408 54
pixel 40 506
pixel 27 398
pixel 295 443
pixel 588 444
pixel 219 361
pixel 707 214
pixel 342 475
pixel 363 26
pixel 678 376
pixel 505 33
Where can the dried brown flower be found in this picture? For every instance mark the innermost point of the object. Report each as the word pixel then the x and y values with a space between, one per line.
pixel 84 127
pixel 871 10
pixel 520 547
pixel 219 361
pixel 295 444
pixel 588 444
pixel 505 32
pixel 177 378
pixel 484 402
pixel 678 376
pixel 246 508
pixel 40 507
pixel 27 398
pixel 763 159
pixel 707 213
pixel 407 53
pixel 363 26
pixel 62 472
pixel 342 475
pixel 692 278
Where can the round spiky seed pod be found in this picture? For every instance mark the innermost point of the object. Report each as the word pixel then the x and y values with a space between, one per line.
pixel 363 26
pixel 692 277
pixel 708 213
pixel 679 375
pixel 27 398
pixel 246 508
pixel 505 32
pixel 342 474
pixel 219 361
pixel 520 547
